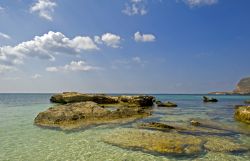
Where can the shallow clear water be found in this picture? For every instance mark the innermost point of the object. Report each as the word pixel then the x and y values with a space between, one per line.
pixel 21 140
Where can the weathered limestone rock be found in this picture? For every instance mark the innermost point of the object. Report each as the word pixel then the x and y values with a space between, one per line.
pixel 242 113
pixel 206 99
pixel 166 104
pixel 71 97
pixel 73 115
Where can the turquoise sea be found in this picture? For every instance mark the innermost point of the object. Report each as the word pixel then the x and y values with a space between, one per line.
pixel 20 140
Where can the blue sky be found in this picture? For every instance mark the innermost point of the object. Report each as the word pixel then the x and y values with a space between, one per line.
pixel 128 46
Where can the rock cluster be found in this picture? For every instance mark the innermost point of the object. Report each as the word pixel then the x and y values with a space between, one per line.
pixel 71 97
pixel 77 110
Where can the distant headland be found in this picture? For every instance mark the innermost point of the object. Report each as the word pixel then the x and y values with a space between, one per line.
pixel 242 88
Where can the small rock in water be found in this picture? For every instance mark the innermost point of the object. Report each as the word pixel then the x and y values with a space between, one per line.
pixel 207 99
pixel 247 102
pixel 195 123
pixel 166 104
pixel 156 125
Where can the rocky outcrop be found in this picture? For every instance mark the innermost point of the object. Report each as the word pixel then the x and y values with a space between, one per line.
pixel 74 115
pixel 77 109
pixel 71 97
pixel 242 88
pixel 207 99
pixel 242 113
pixel 166 104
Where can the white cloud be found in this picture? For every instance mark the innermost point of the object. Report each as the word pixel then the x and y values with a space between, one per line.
pixel 98 39
pixel 195 3
pixel 36 76
pixel 144 37
pixel 135 7
pixel 73 66
pixel 111 40
pixel 5 36
pixel 45 47
pixel 44 8
pixel 6 68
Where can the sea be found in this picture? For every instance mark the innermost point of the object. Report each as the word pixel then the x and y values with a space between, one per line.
pixel 21 140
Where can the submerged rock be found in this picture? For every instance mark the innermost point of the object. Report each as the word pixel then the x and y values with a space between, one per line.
pixel 247 102
pixel 71 97
pixel 155 141
pixel 216 125
pixel 171 142
pixel 80 114
pixel 156 125
pixel 207 99
pixel 242 113
pixel 195 123
pixel 166 104
pixel 220 144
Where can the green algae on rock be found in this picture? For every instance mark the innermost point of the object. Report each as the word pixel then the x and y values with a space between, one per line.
pixel 74 115
pixel 242 113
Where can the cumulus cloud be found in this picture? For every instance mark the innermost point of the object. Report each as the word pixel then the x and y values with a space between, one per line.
pixel 36 76
pixel 44 8
pixel 135 7
pixel 144 37
pixel 195 3
pixel 5 36
pixel 73 66
pixel 110 39
pixel 45 47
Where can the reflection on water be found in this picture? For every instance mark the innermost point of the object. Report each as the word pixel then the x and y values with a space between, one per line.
pixel 21 140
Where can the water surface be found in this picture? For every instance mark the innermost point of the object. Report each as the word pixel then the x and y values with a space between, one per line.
pixel 22 141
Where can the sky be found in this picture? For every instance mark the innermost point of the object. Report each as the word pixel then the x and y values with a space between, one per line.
pixel 123 46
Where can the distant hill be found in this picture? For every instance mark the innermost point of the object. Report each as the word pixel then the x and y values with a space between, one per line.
pixel 243 88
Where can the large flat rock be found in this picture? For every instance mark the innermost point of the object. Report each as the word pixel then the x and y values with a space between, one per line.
pixel 74 115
